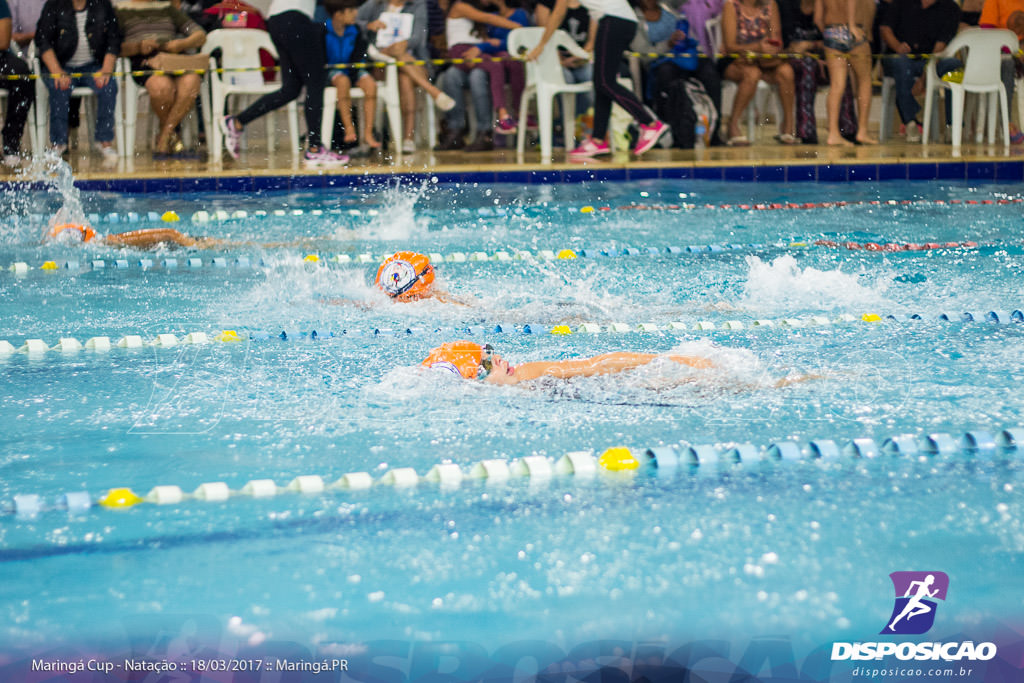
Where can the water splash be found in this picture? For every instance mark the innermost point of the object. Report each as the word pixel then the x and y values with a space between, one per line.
pixel 396 219
pixel 55 172
pixel 782 286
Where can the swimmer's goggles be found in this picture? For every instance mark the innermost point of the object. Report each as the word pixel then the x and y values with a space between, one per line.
pixel 485 361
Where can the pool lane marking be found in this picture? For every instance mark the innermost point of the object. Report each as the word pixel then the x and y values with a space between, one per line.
pixel 21 268
pixel 69 344
pixel 222 215
pixel 612 465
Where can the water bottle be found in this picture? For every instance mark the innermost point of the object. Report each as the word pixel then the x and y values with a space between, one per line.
pixel 700 131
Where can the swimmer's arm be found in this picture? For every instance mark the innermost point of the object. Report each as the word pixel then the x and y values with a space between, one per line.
pixel 365 305
pixel 145 239
pixel 605 364
pixel 447 298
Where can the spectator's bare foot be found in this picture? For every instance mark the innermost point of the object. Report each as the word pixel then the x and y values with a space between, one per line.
pixel 350 135
pixel 370 141
pixel 865 139
pixel 837 140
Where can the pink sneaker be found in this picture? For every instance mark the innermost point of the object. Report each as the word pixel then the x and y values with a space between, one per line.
pixel 323 157
pixel 506 126
pixel 590 148
pixel 649 136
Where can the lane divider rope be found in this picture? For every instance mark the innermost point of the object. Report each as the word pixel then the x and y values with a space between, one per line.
pixel 614 463
pixel 69 344
pixel 221 215
pixel 193 263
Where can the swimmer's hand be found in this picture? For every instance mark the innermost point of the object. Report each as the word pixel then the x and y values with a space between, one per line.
pixel 797 379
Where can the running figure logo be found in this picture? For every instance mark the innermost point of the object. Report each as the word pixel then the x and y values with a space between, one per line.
pixel 914 611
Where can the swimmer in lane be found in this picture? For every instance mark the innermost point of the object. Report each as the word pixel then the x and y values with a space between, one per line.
pixel 914 606
pixel 406 276
pixel 474 361
pixel 470 360
pixel 149 238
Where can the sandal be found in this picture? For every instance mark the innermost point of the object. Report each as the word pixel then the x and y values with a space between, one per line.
pixel 738 141
pixel 787 139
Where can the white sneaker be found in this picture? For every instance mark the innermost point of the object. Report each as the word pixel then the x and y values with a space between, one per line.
pixel 108 151
pixel 444 102
pixel 408 146
pixel 913 132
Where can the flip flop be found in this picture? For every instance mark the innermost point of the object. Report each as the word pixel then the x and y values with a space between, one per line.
pixel 738 141
pixel 787 139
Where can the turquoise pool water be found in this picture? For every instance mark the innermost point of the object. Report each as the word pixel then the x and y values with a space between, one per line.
pixel 798 549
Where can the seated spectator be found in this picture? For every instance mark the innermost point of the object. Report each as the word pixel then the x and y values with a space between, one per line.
pixel 582 28
pixel 151 28
pixel 667 32
pixel 754 27
pixel 911 28
pixel 1006 14
pixel 845 25
pixel 346 44
pixel 454 82
pixel 21 93
pixel 83 37
pixel 414 48
pixel 464 42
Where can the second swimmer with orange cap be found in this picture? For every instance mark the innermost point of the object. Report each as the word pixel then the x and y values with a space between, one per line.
pixel 409 276
pixel 469 360
pixel 140 239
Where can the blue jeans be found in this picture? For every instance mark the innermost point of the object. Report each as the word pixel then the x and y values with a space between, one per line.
pixel 904 71
pixel 453 82
pixel 106 104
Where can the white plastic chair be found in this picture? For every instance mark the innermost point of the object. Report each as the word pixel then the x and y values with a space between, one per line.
pixel 981 75
pixel 544 80
pixel 240 59
pixel 765 91
pixel 131 94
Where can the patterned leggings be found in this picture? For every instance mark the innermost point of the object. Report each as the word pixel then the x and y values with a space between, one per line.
pixel 809 74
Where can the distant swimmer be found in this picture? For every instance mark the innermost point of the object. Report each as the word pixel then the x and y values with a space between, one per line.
pixel 149 238
pixel 914 606
pixel 406 276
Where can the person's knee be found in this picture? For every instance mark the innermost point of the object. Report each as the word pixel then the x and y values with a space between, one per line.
pixel 784 74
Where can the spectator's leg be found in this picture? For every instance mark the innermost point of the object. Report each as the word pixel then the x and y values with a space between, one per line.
pixel 161 99
pixel 344 86
pixel 185 91
pixel 837 72
pixel 805 76
pixel 407 97
pixel 782 77
pixel 59 103
pixel 745 76
pixel 106 107
pixel 21 95
pixel 368 84
pixel 860 61
pixel 904 72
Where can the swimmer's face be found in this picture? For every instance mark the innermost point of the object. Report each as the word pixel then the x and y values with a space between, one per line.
pixel 502 372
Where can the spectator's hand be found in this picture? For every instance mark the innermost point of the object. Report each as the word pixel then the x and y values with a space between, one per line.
pixel 769 46
pixel 903 49
pixel 148 46
pixel 376 25
pixel 172 46
pixel 858 32
pixel 62 81
pixel 532 55
pixel 677 37
pixel 101 80
pixel 493 41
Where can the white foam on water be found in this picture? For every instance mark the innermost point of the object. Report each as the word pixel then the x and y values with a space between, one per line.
pixel 782 286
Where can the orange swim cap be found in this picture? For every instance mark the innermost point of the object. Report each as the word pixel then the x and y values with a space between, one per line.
pixel 405 275
pixel 463 358
pixel 85 231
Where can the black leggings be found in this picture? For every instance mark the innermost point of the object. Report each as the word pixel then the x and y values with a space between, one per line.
pixel 21 94
pixel 302 53
pixel 613 38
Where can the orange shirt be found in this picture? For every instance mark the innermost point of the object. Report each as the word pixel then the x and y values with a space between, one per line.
pixel 997 12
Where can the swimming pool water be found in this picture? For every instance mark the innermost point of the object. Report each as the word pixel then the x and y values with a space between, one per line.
pixel 789 549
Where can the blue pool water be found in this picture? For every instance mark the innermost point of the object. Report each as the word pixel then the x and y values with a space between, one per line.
pixel 800 549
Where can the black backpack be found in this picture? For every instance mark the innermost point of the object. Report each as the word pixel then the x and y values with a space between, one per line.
pixel 680 105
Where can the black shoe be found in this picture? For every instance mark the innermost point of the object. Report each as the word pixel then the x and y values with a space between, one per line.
pixel 484 143
pixel 450 141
